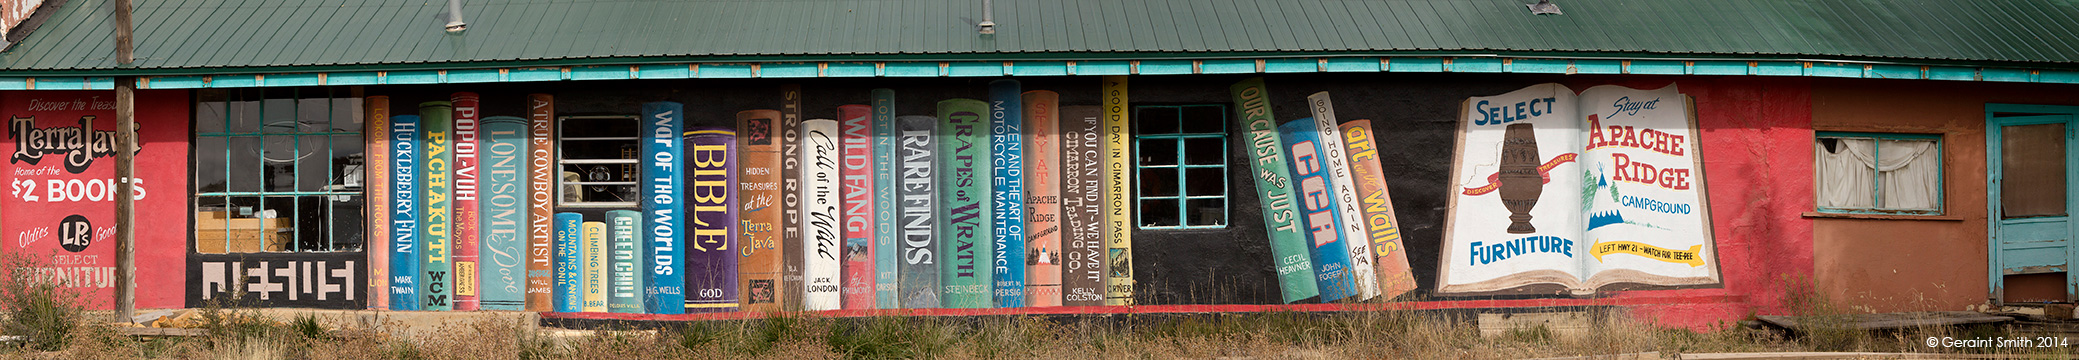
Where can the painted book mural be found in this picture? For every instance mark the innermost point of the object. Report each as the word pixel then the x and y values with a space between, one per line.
pixel 1118 211
pixel 1558 192
pixel 436 187
pixel 1042 134
pixel 858 208
pixel 570 262
pixel 502 266
pixel 1336 164
pixel 1382 227
pixel 963 137
pixel 376 140
pixel 820 200
pixel 467 136
pixel 593 274
pixel 624 256
pixel 1272 174
pixel 758 242
pixel 887 178
pixel 710 258
pixel 790 197
pixel 1006 154
pixel 664 212
pixel 541 227
pixel 1318 209
pixel 404 212
pixel 1082 206
pixel 920 205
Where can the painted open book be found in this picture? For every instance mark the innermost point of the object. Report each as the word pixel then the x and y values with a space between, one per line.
pixel 1554 192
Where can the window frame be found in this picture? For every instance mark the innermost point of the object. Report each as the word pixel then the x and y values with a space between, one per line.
pixel 1183 197
pixel 1877 186
pixel 296 194
pixel 561 161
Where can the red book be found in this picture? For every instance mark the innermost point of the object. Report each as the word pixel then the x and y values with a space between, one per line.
pixel 465 225
pixel 858 276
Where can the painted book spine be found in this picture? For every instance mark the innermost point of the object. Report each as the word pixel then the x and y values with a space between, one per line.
pixel 1007 156
pixel 887 176
pixel 920 254
pixel 859 226
pixel 541 227
pixel 377 150
pixel 963 224
pixel 1352 221
pixel 820 200
pixel 594 274
pixel 790 197
pixel 404 212
pixel 711 251
pixel 1042 127
pixel 1082 206
pixel 570 283
pixel 758 193
pixel 624 286
pixel 1288 242
pixel 1318 209
pixel 1382 225
pixel 504 213
pixel 466 180
pixel 664 275
pixel 1118 212
pixel 434 216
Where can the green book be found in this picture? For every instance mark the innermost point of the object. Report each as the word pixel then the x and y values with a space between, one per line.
pixel 964 226
pixel 436 262
pixel 624 292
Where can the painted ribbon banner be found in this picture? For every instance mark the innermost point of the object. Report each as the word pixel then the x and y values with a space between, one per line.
pixel 1007 152
pixel 858 206
pixel 61 212
pixel 964 157
pixel 920 253
pixel 624 277
pixel 1042 127
pixel 1581 192
pixel 790 197
pixel 1318 210
pixel 1118 211
pixel 594 276
pixel 1338 167
pixel 758 192
pixel 820 199
pixel 1082 206
pixel 541 228
pixel 404 210
pixel 1274 187
pixel 376 136
pixel 887 173
pixel 711 250
pixel 664 212
pixel 436 187
pixel 1382 227
pixel 570 282
pixel 504 213
pixel 466 204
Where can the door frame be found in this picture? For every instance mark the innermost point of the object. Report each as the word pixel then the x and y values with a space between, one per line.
pixel 1994 120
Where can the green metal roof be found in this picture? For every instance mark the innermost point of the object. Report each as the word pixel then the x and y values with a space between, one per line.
pixel 250 36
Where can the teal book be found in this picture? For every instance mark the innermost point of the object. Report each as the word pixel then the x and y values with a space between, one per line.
pixel 964 226
pixel 625 283
pixel 886 176
pixel 1007 154
pixel 570 262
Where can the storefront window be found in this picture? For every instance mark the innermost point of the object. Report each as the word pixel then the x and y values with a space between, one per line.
pixel 278 170
pixel 1182 173
pixel 1879 173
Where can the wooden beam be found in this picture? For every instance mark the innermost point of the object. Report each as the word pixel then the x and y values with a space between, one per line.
pixel 122 32
pixel 125 171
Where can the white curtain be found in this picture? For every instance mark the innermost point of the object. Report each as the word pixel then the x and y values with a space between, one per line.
pixel 1910 173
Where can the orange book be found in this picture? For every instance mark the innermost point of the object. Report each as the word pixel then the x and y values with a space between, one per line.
pixel 1381 224
pixel 759 245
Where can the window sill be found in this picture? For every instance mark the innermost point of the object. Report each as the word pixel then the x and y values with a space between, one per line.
pixel 1828 215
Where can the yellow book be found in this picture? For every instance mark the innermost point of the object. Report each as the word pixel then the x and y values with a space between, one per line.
pixel 594 273
pixel 1118 212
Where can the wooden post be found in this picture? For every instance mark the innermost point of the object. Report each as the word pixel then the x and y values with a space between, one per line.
pixel 126 168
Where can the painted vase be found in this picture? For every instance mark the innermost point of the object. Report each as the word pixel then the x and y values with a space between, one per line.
pixel 1520 183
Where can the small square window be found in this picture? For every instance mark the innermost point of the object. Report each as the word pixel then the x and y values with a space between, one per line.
pixel 1182 177
pixel 1878 173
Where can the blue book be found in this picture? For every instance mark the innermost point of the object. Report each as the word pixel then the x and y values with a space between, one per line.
pixel 888 250
pixel 404 212
pixel 503 216
pixel 570 262
pixel 624 288
pixel 664 212
pixel 1007 155
pixel 1316 195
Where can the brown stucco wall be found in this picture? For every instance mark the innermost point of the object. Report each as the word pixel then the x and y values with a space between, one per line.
pixel 1916 263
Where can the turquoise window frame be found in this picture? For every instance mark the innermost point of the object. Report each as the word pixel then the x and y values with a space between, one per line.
pixel 296 97
pixel 1877 177
pixel 1183 197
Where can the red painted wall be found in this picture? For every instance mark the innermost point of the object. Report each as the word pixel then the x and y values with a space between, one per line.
pixel 60 212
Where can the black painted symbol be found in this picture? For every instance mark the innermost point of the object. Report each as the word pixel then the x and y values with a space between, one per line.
pixel 75 233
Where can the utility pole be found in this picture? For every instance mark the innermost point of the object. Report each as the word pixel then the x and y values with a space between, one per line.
pixel 126 168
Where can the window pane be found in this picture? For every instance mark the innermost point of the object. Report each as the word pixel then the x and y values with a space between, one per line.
pixel 1205 119
pixel 212 218
pixel 1158 152
pixel 347 214
pixel 1846 177
pixel 1207 212
pixel 279 157
pixel 1156 120
pixel 346 114
pixel 1205 151
pixel 1156 182
pixel 313 114
pixel 233 224
pixel 279 114
pixel 209 111
pixel 1205 181
pixel 244 157
pixel 2032 167
pixel 209 163
pixel 280 217
pixel 348 163
pixel 1912 174
pixel 1159 212
pixel 313 164
pixel 245 115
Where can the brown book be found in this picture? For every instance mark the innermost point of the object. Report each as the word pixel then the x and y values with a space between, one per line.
pixel 1381 224
pixel 1082 206
pixel 1042 198
pixel 758 190
pixel 790 180
pixel 541 230
pixel 377 162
